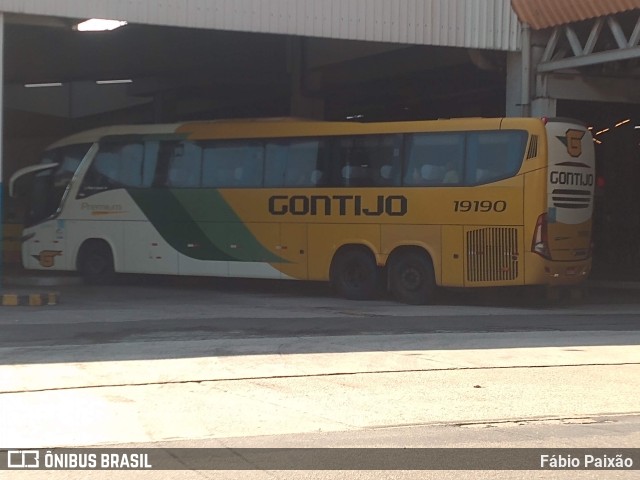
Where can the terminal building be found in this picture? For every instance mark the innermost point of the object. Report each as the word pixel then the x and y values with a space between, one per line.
pixel 357 60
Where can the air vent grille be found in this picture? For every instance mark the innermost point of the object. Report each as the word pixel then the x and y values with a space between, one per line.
pixel 532 151
pixel 492 254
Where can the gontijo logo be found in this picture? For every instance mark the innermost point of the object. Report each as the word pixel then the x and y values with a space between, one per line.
pixel 391 205
pixel 46 258
pixel 573 141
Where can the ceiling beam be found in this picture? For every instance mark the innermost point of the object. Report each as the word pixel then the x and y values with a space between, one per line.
pixel 591 88
pixel 625 48
pixel 592 59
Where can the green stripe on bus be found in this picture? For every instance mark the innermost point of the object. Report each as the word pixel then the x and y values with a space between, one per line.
pixel 202 218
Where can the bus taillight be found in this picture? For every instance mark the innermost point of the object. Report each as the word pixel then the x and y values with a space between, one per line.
pixel 540 243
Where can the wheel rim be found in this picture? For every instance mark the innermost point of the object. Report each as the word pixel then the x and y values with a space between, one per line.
pixel 354 275
pixel 411 279
pixel 96 264
pixel 96 261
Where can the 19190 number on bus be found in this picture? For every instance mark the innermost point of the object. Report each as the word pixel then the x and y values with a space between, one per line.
pixel 484 206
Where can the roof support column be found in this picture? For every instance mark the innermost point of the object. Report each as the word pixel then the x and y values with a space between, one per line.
pixel 542 105
pixel 301 105
pixel 519 78
pixel 1 144
pixel 526 71
pixel 513 107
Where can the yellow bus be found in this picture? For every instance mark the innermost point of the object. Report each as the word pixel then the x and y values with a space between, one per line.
pixel 397 206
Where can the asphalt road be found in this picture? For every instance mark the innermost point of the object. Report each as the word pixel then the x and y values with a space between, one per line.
pixel 264 364
pixel 206 309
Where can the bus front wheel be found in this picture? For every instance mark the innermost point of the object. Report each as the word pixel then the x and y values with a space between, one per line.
pixel 411 277
pixel 354 274
pixel 95 262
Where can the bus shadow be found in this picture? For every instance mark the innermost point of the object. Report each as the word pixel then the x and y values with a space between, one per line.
pixel 531 297
pixel 151 317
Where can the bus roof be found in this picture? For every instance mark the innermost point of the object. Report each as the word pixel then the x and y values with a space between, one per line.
pixel 274 128
pixel 287 127
pixel 95 134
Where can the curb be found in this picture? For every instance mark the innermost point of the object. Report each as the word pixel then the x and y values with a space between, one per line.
pixel 29 299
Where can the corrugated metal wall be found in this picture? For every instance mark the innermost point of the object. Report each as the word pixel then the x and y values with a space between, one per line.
pixel 484 24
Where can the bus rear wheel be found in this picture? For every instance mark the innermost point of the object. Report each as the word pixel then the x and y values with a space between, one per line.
pixel 95 262
pixel 411 277
pixel 354 274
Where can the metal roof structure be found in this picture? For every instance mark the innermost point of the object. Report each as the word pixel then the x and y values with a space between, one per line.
pixel 486 24
pixel 226 45
pixel 540 14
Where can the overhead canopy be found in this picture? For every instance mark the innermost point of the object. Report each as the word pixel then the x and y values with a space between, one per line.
pixel 485 24
pixel 539 14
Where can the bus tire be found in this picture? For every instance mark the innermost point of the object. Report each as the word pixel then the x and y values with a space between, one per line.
pixel 411 277
pixel 354 274
pixel 95 262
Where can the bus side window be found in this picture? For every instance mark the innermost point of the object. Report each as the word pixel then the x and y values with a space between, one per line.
pixel 317 177
pixel 130 165
pixel 116 165
pixel 215 170
pixel 232 164
pixel 356 176
pixel 295 163
pixel 385 175
pixel 104 170
pixel 434 159
pixel 385 160
pixel 250 166
pixel 303 160
pixel 353 165
pixel 368 160
pixel 150 162
pixel 276 155
pixel 494 155
pixel 184 165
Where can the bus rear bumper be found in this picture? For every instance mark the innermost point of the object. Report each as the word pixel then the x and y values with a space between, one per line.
pixel 566 273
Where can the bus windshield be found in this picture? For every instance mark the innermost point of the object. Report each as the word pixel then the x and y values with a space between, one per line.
pixel 48 186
